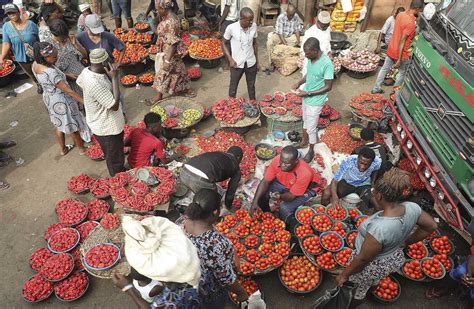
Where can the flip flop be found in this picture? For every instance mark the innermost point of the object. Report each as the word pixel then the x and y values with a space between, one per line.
pixel 433 293
pixel 4 185
pixel 67 149
pixel 7 144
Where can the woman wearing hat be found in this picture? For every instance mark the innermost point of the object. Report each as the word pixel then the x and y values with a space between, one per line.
pixel 171 75
pixel 159 250
pixel 18 36
pixel 214 249
pixel 59 98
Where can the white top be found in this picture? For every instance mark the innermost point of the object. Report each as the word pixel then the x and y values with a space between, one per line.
pixel 196 171
pixel 98 99
pixel 234 9
pixel 145 290
pixel 387 29
pixel 324 38
pixel 241 43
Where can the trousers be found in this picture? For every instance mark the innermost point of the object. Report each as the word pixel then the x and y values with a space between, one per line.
pixel 387 66
pixel 250 77
pixel 112 146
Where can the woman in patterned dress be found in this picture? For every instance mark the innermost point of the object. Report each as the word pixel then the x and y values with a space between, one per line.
pixel 215 251
pixel 171 75
pixel 379 245
pixel 70 52
pixel 59 98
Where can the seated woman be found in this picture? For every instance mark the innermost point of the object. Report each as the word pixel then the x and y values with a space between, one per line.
pixel 159 250
pixel 60 100
pixel 215 251
pixel 379 245
pixel 147 146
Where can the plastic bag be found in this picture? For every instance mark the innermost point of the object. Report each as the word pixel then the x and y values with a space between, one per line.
pixel 255 301
pixel 337 298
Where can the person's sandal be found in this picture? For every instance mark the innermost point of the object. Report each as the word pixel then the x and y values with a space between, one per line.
pixel 4 185
pixel 67 149
pixel 7 144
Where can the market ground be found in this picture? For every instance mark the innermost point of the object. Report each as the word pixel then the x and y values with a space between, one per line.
pixel 27 208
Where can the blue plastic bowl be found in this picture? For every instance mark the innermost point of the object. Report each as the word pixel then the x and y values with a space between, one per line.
pixel 279 135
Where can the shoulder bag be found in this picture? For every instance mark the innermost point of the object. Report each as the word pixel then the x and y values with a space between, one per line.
pixel 28 48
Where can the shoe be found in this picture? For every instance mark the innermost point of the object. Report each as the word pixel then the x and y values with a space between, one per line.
pixel 374 91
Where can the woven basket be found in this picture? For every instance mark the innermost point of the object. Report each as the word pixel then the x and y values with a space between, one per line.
pixel 183 103
pixel 99 236
pixel 245 122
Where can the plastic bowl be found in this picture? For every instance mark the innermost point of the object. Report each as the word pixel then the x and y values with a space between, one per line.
pixel 279 135
pixel 79 296
pixel 388 301
pixel 345 210
pixel 306 251
pixel 263 145
pixel 335 259
pixel 442 267
pixel 413 258
pixel 404 275
pixel 312 224
pixel 67 275
pixel 69 249
pixel 291 290
pixel 84 262
pixel 328 233
pixel 449 253
pixel 300 209
pixel 39 300
pixel 347 235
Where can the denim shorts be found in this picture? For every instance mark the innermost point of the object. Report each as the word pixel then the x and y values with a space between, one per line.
pixel 120 7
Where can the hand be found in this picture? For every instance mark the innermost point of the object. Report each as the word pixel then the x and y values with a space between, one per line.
pixel 397 65
pixel 111 70
pixel 259 68
pixel 335 202
pixel 232 63
pixel 377 50
pixel 341 279
pixel 166 66
pixel 252 209
pixel 120 281
pixel 301 93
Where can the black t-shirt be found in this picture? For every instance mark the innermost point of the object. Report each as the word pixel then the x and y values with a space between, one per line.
pixel 219 166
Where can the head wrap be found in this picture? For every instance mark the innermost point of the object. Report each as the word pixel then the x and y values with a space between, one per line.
pixel 158 249
pixel 98 55
pixel 166 4
pixel 47 50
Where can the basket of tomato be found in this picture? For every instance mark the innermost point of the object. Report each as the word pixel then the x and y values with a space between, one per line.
pixel 299 276
pixel 5 72
pixel 129 81
pixel 388 290
pixel 146 79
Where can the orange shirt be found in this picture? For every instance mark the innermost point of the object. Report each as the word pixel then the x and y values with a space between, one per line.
pixel 297 181
pixel 404 24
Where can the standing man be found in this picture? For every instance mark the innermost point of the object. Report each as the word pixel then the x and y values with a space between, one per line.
pixel 317 83
pixel 397 51
pixel 241 38
pixel 319 31
pixel 387 30
pixel 229 13
pixel 287 30
pixel 104 114
pixel 207 169
pixel 124 7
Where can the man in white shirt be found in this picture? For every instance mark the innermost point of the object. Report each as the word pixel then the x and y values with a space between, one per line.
pixel 320 31
pixel 104 114
pixel 241 38
pixel 387 30
pixel 288 28
pixel 229 13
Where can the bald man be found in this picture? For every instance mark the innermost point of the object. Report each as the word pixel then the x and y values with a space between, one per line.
pixel 287 31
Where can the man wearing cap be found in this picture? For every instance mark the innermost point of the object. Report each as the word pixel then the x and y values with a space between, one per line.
pixel 95 37
pixel 287 30
pixel 320 31
pixel 104 114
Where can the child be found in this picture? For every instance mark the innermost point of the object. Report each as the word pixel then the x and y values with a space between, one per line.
pixel 147 287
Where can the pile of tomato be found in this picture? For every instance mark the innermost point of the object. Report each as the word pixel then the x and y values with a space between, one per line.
pixel 7 68
pixel 206 49
pixel 337 138
pixel 298 274
pixel 261 241
pixel 146 79
pixel 222 141
pixel 194 72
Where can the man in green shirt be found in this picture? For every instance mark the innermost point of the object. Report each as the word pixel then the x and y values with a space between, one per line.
pixel 317 83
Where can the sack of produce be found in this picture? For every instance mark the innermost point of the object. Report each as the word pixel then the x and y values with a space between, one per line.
pixel 285 59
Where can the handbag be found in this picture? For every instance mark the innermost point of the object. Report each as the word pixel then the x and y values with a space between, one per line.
pixel 28 48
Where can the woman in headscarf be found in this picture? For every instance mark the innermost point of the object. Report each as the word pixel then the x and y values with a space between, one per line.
pixel 70 52
pixel 159 250
pixel 171 75
pixel 214 249
pixel 60 100
pixel 379 245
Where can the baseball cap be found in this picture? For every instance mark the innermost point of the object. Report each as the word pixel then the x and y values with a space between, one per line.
pixel 324 17
pixel 11 8
pixel 98 55
pixel 94 23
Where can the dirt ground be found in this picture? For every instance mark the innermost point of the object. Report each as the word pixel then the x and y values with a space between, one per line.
pixel 27 208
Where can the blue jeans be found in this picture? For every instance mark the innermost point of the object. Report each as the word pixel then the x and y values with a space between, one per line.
pixel 387 66
pixel 286 208
pixel 122 6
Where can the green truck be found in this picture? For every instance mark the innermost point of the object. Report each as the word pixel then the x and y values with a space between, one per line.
pixel 434 110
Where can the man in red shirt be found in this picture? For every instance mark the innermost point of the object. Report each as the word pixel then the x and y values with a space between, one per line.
pixel 146 146
pixel 287 180
pixel 397 51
